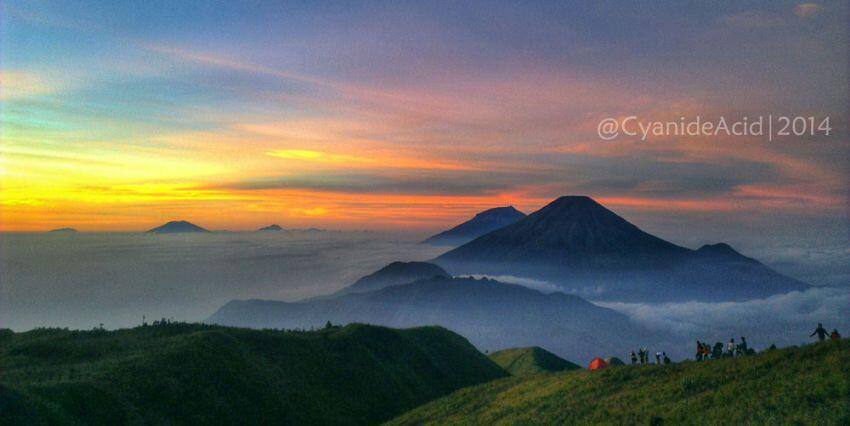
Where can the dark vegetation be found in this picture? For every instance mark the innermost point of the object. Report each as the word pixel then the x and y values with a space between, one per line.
pixel 199 374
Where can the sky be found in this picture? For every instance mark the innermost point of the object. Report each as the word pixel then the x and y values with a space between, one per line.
pixel 118 116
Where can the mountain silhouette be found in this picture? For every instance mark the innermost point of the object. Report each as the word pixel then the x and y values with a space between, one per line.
pixel 62 231
pixel 491 314
pixel 482 223
pixel 583 247
pixel 394 274
pixel 177 226
pixel 271 228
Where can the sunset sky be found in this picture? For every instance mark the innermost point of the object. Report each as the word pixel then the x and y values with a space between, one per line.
pixel 118 116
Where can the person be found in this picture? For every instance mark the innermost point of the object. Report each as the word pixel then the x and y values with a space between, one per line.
pixel 634 358
pixel 743 346
pixel 730 348
pixel 699 351
pixel 658 358
pixel 666 359
pixel 718 351
pixel 820 331
pixel 835 335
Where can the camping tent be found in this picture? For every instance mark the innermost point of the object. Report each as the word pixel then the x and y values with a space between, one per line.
pixel 598 364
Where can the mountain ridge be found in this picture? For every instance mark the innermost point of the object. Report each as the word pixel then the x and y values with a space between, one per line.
pixel 491 314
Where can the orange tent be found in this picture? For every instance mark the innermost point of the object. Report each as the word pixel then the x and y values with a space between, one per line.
pixel 598 364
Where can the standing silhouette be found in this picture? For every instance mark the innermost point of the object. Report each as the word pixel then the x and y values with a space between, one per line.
pixel 821 332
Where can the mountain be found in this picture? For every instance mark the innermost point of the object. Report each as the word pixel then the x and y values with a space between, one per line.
pixel 177 226
pixel 586 249
pixel 528 361
pixel 482 223
pixel 196 374
pixel 491 314
pixel 62 231
pixel 394 274
pixel 271 228
pixel 806 385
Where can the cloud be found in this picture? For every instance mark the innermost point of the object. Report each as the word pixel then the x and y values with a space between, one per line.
pixel 375 182
pixel 534 284
pixel 785 318
pixel 23 84
pixel 808 10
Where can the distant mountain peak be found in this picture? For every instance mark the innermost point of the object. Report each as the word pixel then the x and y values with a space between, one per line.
pixel 396 273
pixel 495 211
pixel 722 251
pixel 177 226
pixel 272 227
pixel 483 222
pixel 62 231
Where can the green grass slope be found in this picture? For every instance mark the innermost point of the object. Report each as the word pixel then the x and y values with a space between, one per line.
pixel 197 374
pixel 528 361
pixel 807 385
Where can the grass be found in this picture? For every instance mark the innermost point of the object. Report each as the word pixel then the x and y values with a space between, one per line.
pixel 199 374
pixel 529 361
pixel 802 385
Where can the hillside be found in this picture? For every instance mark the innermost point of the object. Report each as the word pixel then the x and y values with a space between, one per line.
pixel 528 361
pixel 491 314
pixel 586 249
pixel 808 385
pixel 482 223
pixel 195 374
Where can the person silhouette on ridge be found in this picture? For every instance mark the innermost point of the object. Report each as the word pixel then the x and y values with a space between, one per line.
pixel 821 332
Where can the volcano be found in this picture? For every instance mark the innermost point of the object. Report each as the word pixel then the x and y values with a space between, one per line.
pixel 586 249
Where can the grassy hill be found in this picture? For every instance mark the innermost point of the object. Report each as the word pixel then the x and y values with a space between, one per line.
pixel 528 361
pixel 806 385
pixel 198 374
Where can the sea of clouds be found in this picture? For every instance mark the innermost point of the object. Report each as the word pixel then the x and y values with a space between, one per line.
pixel 83 280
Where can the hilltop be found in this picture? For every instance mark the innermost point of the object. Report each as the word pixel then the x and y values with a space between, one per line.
pixel 806 385
pixel 484 222
pixel 197 374
pixel 528 361
pixel 586 249
pixel 271 228
pixel 177 226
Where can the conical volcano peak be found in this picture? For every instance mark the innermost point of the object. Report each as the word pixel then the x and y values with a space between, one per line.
pixel 569 230
pixel 580 203
pixel 579 210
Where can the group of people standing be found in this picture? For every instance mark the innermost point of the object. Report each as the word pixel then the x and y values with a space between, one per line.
pixel 706 351
pixel 642 356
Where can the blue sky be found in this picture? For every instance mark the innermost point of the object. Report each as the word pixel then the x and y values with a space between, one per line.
pixel 415 115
